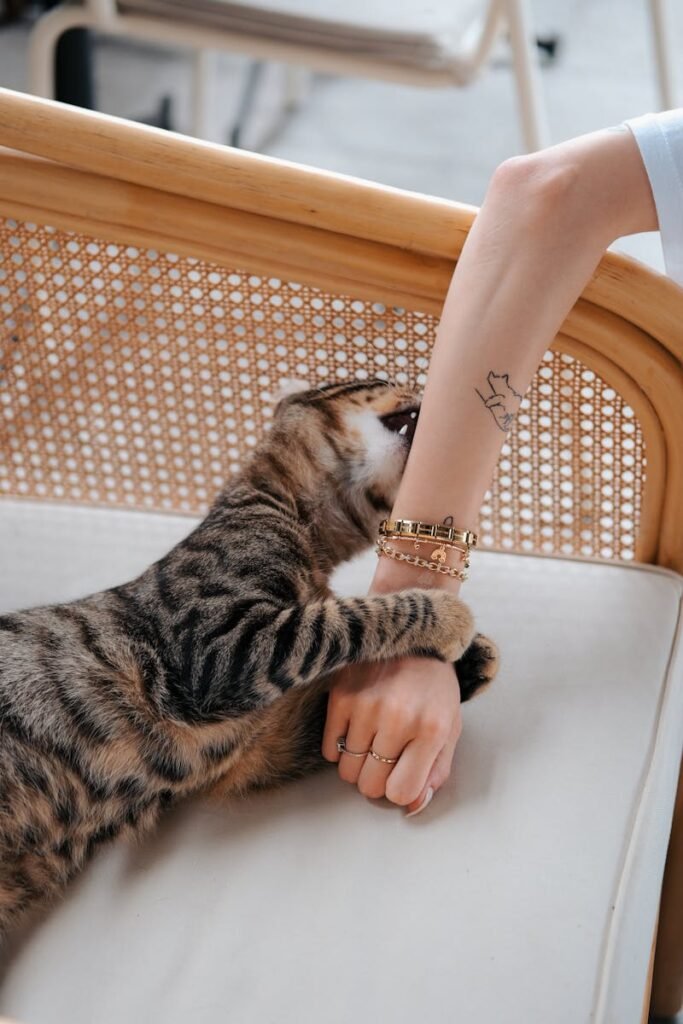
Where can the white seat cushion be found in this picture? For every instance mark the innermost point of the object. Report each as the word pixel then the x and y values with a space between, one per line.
pixel 526 893
pixel 416 33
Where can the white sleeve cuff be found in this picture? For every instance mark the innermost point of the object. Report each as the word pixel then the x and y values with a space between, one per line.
pixel 660 141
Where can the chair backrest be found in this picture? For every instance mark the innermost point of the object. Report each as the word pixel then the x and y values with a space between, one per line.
pixel 155 290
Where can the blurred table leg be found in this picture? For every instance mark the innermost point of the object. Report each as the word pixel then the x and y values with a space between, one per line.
pixel 73 65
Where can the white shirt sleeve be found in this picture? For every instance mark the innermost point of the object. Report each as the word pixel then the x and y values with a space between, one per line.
pixel 660 140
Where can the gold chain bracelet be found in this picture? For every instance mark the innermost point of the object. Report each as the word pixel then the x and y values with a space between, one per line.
pixel 383 548
pixel 439 553
pixel 419 532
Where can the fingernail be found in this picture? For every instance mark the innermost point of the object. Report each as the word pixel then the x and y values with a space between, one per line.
pixel 427 800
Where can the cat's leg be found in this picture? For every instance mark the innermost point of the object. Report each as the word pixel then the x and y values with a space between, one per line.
pixel 297 645
pixel 21 891
pixel 14 901
pixel 477 666
pixel 287 742
pixel 285 745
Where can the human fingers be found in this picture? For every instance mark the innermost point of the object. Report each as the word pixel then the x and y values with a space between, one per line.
pixel 357 743
pixel 351 716
pixel 386 751
pixel 337 719
pixel 409 778
pixel 389 713
pixel 439 773
pixel 409 700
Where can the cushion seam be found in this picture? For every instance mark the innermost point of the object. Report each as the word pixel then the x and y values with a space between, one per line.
pixel 136 511
pixel 609 943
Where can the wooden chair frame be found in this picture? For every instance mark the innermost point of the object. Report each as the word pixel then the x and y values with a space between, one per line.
pixel 124 182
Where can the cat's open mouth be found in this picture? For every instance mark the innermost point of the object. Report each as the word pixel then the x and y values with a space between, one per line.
pixel 403 422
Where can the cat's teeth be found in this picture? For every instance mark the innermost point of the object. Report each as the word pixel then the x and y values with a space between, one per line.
pixel 404 429
pixel 413 415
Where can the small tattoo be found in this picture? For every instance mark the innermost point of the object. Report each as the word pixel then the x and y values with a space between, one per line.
pixel 501 401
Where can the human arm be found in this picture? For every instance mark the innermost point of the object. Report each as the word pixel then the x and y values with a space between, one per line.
pixel 544 225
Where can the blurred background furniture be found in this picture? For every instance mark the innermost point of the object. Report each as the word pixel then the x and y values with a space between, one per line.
pixel 10 10
pixel 154 291
pixel 660 16
pixel 433 43
pixel 72 61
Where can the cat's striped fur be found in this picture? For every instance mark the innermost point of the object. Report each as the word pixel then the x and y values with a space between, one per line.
pixel 201 670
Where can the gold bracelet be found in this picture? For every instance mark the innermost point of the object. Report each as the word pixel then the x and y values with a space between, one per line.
pixel 383 548
pixel 415 529
pixel 446 536
pixel 439 553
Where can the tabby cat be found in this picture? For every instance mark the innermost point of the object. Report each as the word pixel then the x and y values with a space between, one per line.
pixel 203 668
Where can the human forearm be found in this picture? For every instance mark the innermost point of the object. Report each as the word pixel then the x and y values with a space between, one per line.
pixel 543 227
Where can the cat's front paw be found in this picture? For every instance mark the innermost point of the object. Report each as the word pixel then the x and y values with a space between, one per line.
pixel 453 629
pixel 477 667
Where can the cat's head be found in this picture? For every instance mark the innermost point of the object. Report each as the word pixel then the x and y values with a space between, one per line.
pixel 347 445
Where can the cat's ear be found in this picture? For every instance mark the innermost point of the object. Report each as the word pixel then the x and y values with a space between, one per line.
pixel 288 386
pixel 506 378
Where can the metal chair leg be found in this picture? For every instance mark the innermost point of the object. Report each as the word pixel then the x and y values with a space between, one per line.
pixel 246 102
pixel 661 32
pixel 297 82
pixel 202 66
pixel 42 46
pixel 527 76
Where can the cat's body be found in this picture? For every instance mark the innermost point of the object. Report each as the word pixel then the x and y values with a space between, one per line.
pixel 210 667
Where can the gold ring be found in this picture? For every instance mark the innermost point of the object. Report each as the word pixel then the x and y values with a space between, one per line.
pixel 341 747
pixel 384 760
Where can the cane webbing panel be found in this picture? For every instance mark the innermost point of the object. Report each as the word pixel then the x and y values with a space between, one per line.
pixel 142 379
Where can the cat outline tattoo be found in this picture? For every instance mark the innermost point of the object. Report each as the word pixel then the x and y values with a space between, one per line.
pixel 503 401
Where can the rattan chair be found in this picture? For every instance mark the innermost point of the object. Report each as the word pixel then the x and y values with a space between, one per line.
pixel 153 292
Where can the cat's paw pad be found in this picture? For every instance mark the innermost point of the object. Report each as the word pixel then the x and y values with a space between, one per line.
pixel 477 666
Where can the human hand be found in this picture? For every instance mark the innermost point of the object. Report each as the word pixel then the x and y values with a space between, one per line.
pixel 408 709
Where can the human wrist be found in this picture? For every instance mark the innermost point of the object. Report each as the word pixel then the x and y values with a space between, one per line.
pixel 404 559
pixel 392 576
